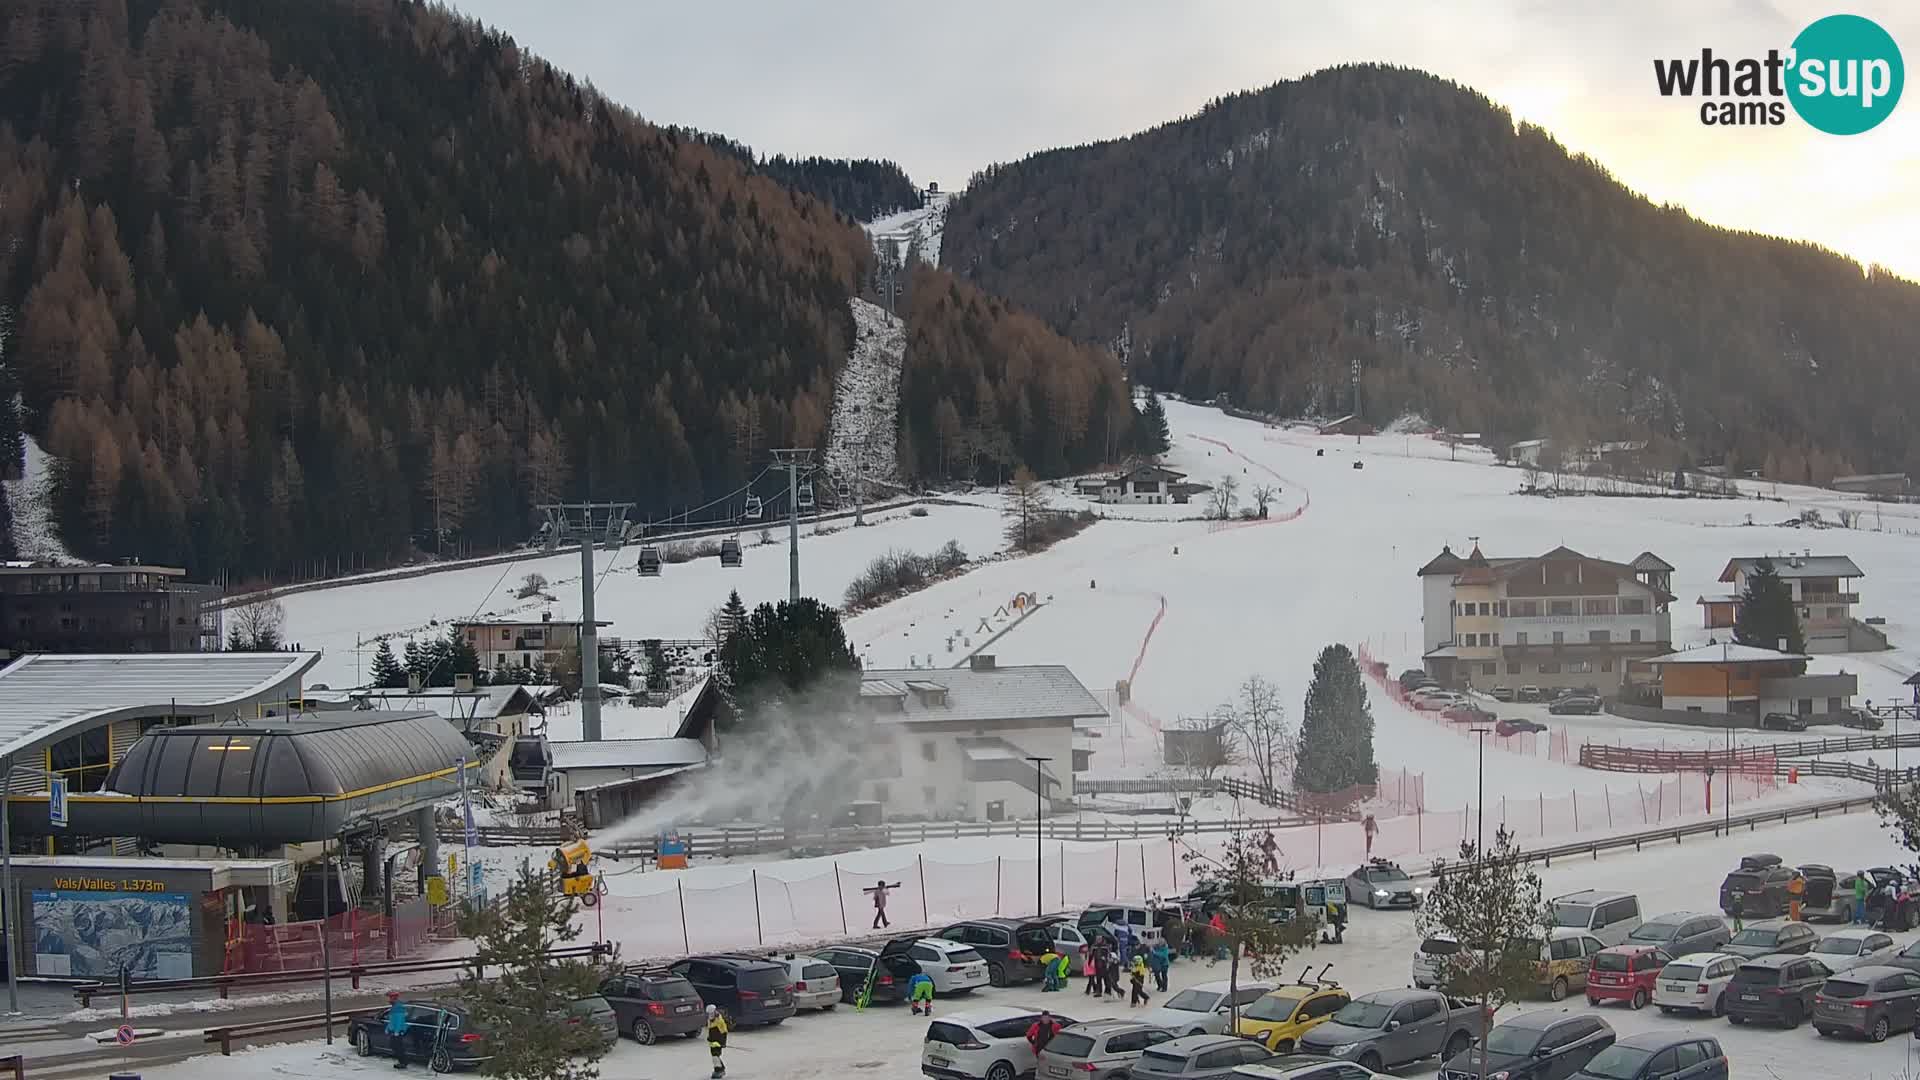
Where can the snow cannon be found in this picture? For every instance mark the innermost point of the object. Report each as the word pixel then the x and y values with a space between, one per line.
pixel 574 864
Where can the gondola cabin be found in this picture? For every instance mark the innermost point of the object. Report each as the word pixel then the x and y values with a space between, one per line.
pixel 730 551
pixel 805 498
pixel 754 508
pixel 649 561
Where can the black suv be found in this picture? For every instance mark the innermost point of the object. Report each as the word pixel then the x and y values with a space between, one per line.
pixel 854 964
pixel 443 1033
pixel 1762 884
pixel 1775 989
pixel 1011 947
pixel 1537 1045
pixel 654 1004
pixel 1783 721
pixel 750 990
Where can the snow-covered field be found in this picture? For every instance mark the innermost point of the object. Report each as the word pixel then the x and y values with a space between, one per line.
pixel 886 1041
pixel 922 225
pixel 866 401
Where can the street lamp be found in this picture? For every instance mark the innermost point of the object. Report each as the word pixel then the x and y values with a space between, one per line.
pixel 1480 848
pixel 1039 815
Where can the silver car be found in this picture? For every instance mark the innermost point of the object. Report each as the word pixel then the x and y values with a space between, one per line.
pixel 1098 1050
pixel 1382 884
pixel 1199 1057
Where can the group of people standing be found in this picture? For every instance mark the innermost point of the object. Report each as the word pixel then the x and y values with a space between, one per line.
pixel 1104 960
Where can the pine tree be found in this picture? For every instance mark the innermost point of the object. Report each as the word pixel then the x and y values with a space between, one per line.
pixel 785 649
pixel 458 657
pixel 1336 726
pixel 733 615
pixel 387 672
pixel 1767 616
pixel 1155 437
pixel 417 663
pixel 524 998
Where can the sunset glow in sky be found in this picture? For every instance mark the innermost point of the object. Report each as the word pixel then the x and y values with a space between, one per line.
pixel 947 89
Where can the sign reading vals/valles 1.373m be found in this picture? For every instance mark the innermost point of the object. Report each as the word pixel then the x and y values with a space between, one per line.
pixel 87 884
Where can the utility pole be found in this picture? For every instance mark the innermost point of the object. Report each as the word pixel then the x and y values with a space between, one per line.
pixel 794 460
pixel 589 518
pixel 859 481
pixel 1480 849
pixel 1039 816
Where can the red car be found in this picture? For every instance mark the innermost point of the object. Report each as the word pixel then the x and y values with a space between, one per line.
pixel 1514 726
pixel 1467 714
pixel 1625 973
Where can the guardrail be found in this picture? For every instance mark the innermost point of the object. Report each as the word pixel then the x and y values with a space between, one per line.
pixel 226 1036
pixel 1602 755
pixel 476 963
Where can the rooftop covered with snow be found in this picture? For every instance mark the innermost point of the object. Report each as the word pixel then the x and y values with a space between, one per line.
pixel 1030 692
pixel 627 753
pixel 1796 566
pixel 1724 654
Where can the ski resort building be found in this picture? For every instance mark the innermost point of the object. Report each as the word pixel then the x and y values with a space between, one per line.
pixel 1145 484
pixel 522 642
pixel 1823 593
pixel 1746 681
pixel 105 608
pixel 959 740
pixel 1552 620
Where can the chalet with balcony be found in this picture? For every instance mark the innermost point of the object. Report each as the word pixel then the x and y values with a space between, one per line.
pixel 1155 484
pixel 1558 619
pixel 1823 593
pixel 1742 680
pixel 522 642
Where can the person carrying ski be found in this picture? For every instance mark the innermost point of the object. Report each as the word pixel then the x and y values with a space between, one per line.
pixel 1159 959
pixel 397 1033
pixel 1042 1032
pixel 1138 973
pixel 1049 971
pixel 879 891
pixel 717 1028
pixel 920 992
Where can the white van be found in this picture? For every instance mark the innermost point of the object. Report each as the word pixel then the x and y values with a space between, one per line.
pixel 1609 916
pixel 1108 917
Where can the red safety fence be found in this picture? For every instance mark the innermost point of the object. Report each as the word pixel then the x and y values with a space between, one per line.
pixel 352 937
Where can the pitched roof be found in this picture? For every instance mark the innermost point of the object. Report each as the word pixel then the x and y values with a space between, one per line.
pixel 1032 692
pixel 1796 566
pixel 1723 654
pixel 45 696
pixel 627 753
pixel 1647 560
pixel 1139 472
pixel 1444 563
pixel 484 703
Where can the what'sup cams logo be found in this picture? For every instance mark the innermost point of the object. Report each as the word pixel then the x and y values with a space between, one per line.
pixel 1843 75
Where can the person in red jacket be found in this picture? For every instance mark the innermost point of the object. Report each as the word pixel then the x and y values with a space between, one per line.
pixel 1218 932
pixel 1042 1032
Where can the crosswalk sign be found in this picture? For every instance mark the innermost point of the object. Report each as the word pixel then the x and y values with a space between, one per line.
pixel 57 803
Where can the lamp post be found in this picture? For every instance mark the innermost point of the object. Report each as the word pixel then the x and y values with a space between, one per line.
pixel 1039 815
pixel 1480 846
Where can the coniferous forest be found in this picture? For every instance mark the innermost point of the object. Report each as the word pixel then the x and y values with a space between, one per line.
pixel 1386 220
pixel 328 282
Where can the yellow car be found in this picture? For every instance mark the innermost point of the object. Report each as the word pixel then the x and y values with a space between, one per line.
pixel 1279 1017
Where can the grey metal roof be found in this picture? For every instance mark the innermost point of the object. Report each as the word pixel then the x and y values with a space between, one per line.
pixel 484 703
pixel 329 753
pixel 1033 692
pixel 46 696
pixel 1798 566
pixel 627 753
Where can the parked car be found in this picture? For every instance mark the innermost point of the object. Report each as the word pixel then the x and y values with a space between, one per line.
pixel 1107 917
pixel 1871 1000
pixel 596 1013
pixel 1527 693
pixel 1514 725
pixel 462 1044
pixel 1682 932
pixel 751 990
pixel 1565 958
pixel 1609 916
pixel 1696 982
pixel 1501 693
pixel 1390 1028
pixel 985 1043
pixel 1775 989
pixel 650 1005
pixel 1011 947
pixel 1768 938
pixel 1626 973
pixel 1202 1009
pixel 1545 1044
pixel 1576 704
pixel 953 967
pixel 1783 721
pixel 1434 702
pixel 856 967
pixel 1823 898
pixel 1844 950
pixel 1065 931
pixel 816 984
pixel 1198 1057
pixel 1097 1050
pixel 1278 1018
pixel 1466 713
pixel 1908 958
pixel 1659 1055
pixel 1854 716
pixel 1381 883
pixel 1762 889
pixel 1413 678
pixel 1305 1067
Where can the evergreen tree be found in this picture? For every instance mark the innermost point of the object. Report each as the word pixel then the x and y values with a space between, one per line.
pixel 1767 616
pixel 1336 726
pixel 656 664
pixel 1155 437
pixel 733 615
pixel 418 663
pixel 524 998
pixel 387 672
pixel 457 657
pixel 784 649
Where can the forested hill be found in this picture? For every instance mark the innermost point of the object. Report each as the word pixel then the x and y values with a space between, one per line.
pixel 861 188
pixel 324 282
pixel 1474 272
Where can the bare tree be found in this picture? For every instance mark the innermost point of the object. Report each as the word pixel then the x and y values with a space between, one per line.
pixel 1025 511
pixel 532 585
pixel 1199 748
pixel 1263 496
pixel 256 627
pixel 1226 495
pixel 1258 722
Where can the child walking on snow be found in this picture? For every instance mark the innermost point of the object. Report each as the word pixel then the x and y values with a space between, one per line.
pixel 920 992
pixel 1139 973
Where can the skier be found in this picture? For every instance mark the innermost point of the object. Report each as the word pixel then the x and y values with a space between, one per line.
pixel 920 992
pixel 879 891
pixel 1159 959
pixel 1268 849
pixel 1042 1032
pixel 1049 970
pixel 397 1032
pixel 1372 828
pixel 1337 918
pixel 1138 972
pixel 717 1028
pixel 1110 972
pixel 1736 906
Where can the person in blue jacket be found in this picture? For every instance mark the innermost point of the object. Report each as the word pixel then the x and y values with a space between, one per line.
pixel 397 1033
pixel 920 992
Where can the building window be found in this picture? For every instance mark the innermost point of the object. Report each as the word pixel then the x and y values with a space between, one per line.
pixel 1486 609
pixel 1525 609
pixel 1494 669
pixel 1599 637
pixel 1559 637
pixel 1562 607
pixel 1633 606
pixel 1500 608
pixel 1496 641
pixel 1804 706
pixel 1833 705
pixel 1606 665
pixel 1836 613
pixel 1520 638
pixel 880 793
pixel 930 750
pixel 1549 669
pixel 927 795
pixel 506 634
pixel 1633 636
pixel 1693 708
pixel 1579 667
pixel 1513 669
pixel 1598 605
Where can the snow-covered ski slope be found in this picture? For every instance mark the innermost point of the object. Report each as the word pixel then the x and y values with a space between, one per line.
pixel 866 400
pixel 923 225
pixel 30 497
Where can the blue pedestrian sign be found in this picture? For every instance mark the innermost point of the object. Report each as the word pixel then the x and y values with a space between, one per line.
pixel 57 803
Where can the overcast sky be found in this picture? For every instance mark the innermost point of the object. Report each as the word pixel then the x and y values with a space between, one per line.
pixel 946 89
